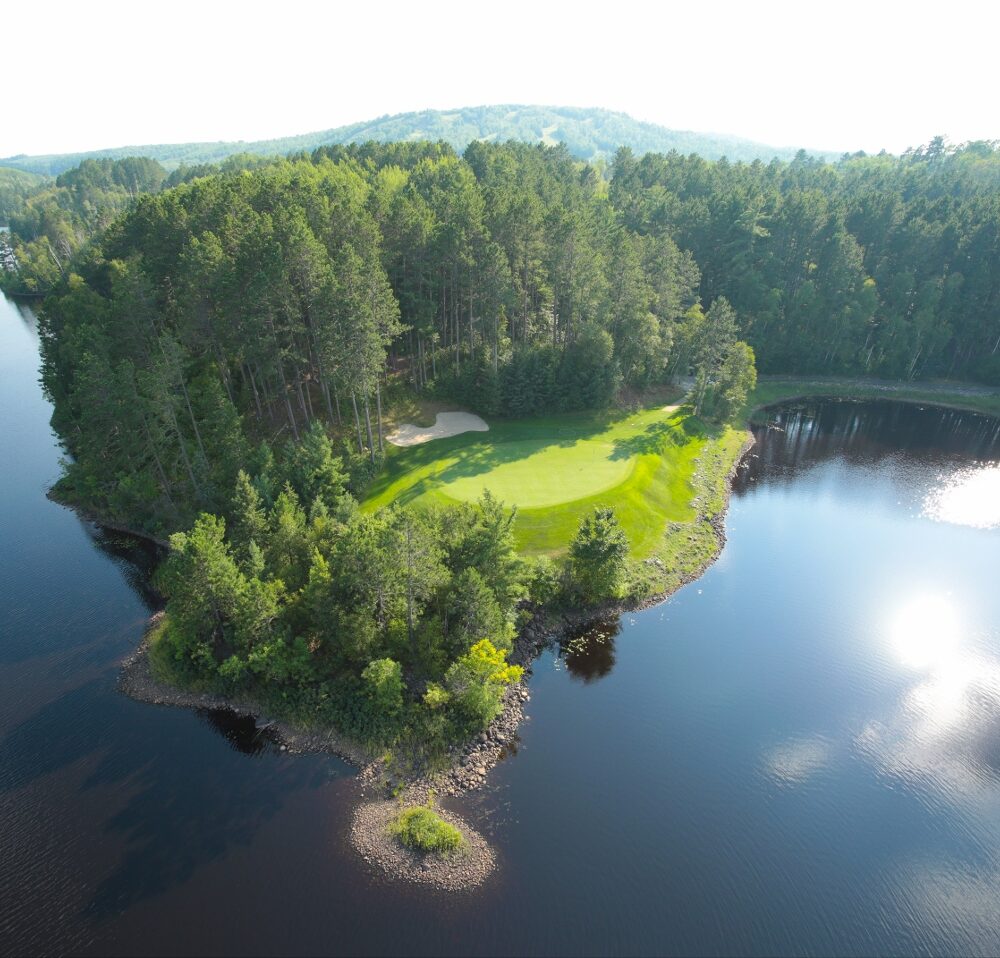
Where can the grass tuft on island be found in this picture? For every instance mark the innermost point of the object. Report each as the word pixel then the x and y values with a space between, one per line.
pixel 373 835
pixel 420 828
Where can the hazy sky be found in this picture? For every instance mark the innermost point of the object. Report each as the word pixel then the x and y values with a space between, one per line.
pixel 832 75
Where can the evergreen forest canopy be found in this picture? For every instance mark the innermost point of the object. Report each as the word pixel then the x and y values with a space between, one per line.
pixel 205 335
pixel 589 134
pixel 15 187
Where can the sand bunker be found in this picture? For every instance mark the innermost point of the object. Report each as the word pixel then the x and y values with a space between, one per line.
pixel 445 424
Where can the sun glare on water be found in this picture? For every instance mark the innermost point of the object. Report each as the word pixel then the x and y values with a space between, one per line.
pixel 969 498
pixel 925 632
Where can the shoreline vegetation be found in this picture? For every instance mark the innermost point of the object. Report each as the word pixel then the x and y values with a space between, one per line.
pixel 686 551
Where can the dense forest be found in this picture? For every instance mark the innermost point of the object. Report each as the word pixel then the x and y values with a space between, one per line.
pixel 589 134
pixel 15 187
pixel 244 306
pixel 221 344
pixel 256 299
pixel 873 265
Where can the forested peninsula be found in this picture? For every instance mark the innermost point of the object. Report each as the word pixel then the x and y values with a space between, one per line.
pixel 229 351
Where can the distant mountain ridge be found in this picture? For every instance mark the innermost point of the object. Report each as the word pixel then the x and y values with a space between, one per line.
pixel 588 133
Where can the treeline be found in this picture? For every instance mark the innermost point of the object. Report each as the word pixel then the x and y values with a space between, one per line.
pixel 589 134
pixel 15 187
pixel 51 221
pixel 248 304
pixel 874 265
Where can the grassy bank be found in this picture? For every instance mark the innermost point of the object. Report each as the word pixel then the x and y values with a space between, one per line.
pixel 952 395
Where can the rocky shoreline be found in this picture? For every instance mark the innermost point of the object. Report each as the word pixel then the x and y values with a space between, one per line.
pixel 136 680
pixel 469 765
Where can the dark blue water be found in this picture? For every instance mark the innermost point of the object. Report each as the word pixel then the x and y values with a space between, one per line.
pixel 799 753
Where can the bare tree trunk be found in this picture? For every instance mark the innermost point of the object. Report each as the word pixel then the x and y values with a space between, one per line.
pixel 357 421
pixel 156 458
pixel 378 406
pixel 368 428
pixel 336 400
pixel 326 398
pixel 253 387
pixel 301 395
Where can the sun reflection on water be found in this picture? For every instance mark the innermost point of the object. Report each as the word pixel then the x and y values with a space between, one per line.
pixel 925 632
pixel 944 733
pixel 970 497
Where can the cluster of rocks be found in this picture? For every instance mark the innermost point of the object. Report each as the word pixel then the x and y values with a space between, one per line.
pixel 465 867
pixel 471 763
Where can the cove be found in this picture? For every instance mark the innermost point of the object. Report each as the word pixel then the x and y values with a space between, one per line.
pixel 776 760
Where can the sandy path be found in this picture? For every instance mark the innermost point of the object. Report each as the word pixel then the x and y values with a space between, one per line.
pixel 445 424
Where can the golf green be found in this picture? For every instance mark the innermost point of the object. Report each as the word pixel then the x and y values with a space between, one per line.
pixel 557 469
pixel 537 474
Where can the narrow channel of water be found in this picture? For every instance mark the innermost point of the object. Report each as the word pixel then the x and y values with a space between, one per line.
pixel 799 753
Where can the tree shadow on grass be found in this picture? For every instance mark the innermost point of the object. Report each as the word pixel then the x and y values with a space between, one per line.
pixel 653 439
pixel 478 459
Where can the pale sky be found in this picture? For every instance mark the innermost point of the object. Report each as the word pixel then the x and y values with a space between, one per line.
pixel 833 76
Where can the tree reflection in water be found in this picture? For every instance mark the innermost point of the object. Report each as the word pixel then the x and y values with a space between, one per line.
pixel 589 654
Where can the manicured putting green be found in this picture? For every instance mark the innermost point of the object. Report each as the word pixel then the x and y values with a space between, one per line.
pixel 536 473
pixel 556 470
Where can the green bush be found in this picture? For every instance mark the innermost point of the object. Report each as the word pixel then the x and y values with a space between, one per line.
pixel 599 556
pixel 476 682
pixel 421 828
pixel 383 680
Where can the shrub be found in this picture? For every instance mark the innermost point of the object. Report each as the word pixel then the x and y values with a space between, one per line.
pixel 476 682
pixel 383 680
pixel 544 580
pixel 421 828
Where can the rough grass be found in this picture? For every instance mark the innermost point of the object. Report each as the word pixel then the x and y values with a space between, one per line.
pixel 555 469
pixel 420 828
pixel 160 660
pixel 953 395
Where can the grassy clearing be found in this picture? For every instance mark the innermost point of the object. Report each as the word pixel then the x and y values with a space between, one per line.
pixel 952 395
pixel 420 828
pixel 556 469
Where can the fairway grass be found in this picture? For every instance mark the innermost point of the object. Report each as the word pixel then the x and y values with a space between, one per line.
pixel 558 468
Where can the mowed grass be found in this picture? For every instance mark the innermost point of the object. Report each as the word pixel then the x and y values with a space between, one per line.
pixel 556 469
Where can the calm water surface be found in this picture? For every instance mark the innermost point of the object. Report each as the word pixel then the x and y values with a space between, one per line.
pixel 799 753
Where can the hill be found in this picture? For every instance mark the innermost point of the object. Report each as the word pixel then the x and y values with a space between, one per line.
pixel 15 185
pixel 589 134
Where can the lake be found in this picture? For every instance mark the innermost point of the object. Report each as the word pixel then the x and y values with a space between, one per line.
pixel 798 753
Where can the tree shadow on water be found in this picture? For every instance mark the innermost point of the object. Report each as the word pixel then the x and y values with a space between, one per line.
pixel 181 796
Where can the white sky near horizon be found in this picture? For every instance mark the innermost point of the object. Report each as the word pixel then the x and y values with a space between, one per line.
pixel 834 76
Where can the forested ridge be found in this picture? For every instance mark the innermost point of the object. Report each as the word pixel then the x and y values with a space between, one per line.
pixel 221 349
pixel 589 134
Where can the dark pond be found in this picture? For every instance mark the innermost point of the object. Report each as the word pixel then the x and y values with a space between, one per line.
pixel 799 753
